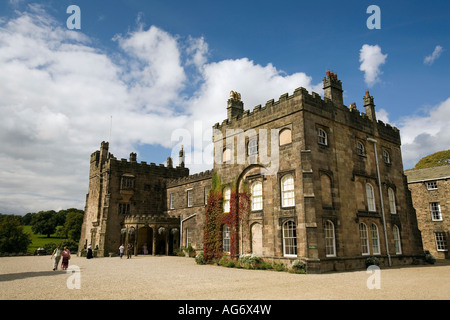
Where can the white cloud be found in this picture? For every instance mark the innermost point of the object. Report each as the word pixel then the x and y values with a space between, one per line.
pixel 429 60
pixel 371 59
pixel 382 115
pixel 58 93
pixel 424 135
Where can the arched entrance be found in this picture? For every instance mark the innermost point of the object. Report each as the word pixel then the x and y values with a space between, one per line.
pixel 145 239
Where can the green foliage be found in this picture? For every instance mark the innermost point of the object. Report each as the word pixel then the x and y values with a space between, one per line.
pixel 436 159
pixel 44 222
pixel 298 266
pixel 13 239
pixel 372 261
pixel 72 225
pixel 199 259
pixel 429 258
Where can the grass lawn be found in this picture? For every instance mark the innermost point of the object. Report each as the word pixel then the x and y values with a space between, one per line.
pixel 39 240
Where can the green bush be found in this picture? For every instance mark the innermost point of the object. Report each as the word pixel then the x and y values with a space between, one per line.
pixel 250 261
pixel 298 266
pixel 199 259
pixel 372 261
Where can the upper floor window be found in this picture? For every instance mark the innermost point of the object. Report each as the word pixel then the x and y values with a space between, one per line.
pixel 392 204
pixel 253 146
pixel 370 198
pixel 386 157
pixel 256 196
pixel 435 209
pixel 287 191
pixel 226 156
pixel 360 150
pixel 172 201
pixel 127 182
pixel 124 208
pixel 322 137
pixel 190 198
pixel 226 199
pixel 397 239
pixel 285 137
pixel 432 185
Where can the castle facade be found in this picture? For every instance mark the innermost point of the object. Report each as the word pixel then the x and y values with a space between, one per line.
pixel 326 184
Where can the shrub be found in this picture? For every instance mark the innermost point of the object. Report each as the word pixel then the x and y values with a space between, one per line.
pixel 199 259
pixel 250 261
pixel 279 266
pixel 298 266
pixel 372 261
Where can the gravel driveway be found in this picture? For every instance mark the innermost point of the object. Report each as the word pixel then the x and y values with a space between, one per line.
pixel 177 278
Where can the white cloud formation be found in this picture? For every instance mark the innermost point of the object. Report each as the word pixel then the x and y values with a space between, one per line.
pixel 429 60
pixel 58 93
pixel 371 59
pixel 426 134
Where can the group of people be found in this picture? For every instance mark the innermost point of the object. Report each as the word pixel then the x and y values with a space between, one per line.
pixel 59 253
pixel 129 250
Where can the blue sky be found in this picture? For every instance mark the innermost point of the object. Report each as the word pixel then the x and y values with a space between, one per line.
pixel 161 66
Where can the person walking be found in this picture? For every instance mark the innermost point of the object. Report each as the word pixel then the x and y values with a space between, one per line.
pixel 121 249
pixel 129 249
pixel 57 256
pixel 65 258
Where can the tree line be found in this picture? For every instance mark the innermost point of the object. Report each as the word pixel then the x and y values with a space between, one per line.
pixel 64 223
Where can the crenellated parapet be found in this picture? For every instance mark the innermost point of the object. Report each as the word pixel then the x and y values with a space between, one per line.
pixel 190 179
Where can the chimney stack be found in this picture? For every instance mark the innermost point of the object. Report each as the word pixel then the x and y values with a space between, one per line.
pixel 332 88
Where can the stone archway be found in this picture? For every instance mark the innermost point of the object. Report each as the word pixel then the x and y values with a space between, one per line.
pixel 145 239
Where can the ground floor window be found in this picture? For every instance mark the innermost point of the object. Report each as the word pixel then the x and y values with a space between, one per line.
pixel 290 239
pixel 441 241
pixel 226 236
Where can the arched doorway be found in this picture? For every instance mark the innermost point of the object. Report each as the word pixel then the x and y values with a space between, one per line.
pixel 145 240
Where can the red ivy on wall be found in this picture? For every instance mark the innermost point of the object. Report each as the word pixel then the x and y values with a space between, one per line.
pixel 216 218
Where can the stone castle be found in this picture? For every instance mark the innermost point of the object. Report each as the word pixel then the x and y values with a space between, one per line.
pixel 332 194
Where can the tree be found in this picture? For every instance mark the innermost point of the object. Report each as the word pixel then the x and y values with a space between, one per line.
pixel 44 222
pixel 72 226
pixel 439 158
pixel 12 236
pixel 26 219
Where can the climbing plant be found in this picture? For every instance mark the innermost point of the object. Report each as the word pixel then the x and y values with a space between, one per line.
pixel 216 218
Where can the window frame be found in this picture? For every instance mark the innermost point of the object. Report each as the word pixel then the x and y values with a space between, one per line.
pixel 172 201
pixel 330 235
pixel 360 151
pixel 226 238
pixel 386 157
pixel 375 239
pixel 190 197
pixel 434 211
pixel 289 233
pixel 226 199
pixel 258 196
pixel 397 239
pixel 392 202
pixel 441 243
pixel 322 137
pixel 371 204
pixel 284 131
pixel 364 239
pixel 252 146
pixel 429 183
pixel 287 202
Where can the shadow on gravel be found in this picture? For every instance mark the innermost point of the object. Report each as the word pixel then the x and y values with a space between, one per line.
pixel 24 275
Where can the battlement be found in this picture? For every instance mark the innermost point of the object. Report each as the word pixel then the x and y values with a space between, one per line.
pixel 190 179
pixel 301 99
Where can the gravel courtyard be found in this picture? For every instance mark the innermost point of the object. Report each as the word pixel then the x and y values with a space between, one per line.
pixel 175 278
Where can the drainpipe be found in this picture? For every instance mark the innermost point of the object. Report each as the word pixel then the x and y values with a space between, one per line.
pixel 381 199
pixel 181 226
